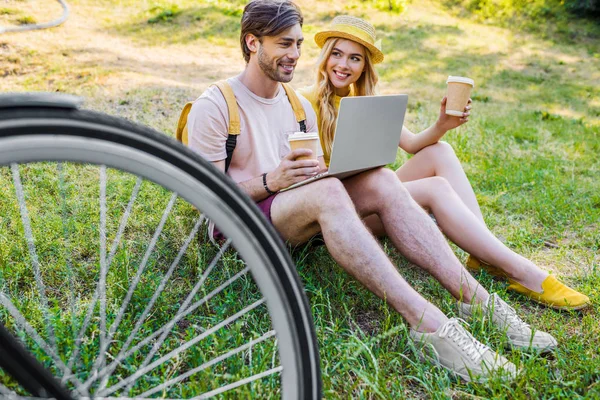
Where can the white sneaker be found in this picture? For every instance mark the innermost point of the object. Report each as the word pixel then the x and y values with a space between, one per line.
pixel 519 334
pixel 455 349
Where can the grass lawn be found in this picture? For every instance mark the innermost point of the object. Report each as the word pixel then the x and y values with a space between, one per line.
pixel 530 150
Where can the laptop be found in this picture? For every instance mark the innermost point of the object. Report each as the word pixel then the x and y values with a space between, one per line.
pixel 367 135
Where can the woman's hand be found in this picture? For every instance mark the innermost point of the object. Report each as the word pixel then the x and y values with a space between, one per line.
pixel 447 122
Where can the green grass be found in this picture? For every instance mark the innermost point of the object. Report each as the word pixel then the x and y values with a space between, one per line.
pixel 530 151
pixel 26 20
pixel 8 11
pixel 217 22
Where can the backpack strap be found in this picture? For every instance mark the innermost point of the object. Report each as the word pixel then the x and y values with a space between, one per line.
pixel 296 106
pixel 181 133
pixel 234 117
pixel 232 107
pixel 234 120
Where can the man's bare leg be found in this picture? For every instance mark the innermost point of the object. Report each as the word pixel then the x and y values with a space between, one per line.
pixel 414 234
pixel 325 206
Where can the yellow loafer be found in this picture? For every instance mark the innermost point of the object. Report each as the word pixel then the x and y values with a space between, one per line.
pixel 554 294
pixel 476 265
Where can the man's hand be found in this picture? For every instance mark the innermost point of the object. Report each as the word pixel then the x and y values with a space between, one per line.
pixel 292 171
pixel 447 122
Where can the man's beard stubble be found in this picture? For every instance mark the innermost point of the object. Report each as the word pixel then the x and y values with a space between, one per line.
pixel 266 65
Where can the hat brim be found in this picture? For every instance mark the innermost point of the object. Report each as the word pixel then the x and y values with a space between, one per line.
pixel 376 53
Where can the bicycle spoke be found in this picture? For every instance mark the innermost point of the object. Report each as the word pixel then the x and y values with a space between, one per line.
pixel 159 289
pixel 32 251
pixel 66 230
pixel 208 364
pixel 124 219
pixel 239 383
pixel 103 272
pixel 121 357
pixel 144 262
pixel 115 244
pixel 136 280
pixel 274 356
pixel 185 305
pixel 23 324
pixel 139 275
pixel 187 345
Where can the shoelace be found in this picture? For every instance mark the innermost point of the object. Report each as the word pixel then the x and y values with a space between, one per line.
pixel 471 346
pixel 509 314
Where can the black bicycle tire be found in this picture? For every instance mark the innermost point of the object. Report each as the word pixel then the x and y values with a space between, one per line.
pixel 18 363
pixel 89 124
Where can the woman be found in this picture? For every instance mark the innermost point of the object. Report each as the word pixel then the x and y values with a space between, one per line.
pixel 433 176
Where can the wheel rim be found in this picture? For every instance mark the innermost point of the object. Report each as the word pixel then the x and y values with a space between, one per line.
pixel 64 148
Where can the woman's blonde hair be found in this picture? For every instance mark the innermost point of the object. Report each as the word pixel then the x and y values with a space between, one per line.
pixel 364 86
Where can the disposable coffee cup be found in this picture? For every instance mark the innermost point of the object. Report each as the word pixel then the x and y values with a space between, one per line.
pixel 305 140
pixel 459 91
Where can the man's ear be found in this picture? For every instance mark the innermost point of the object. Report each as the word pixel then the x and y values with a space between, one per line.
pixel 252 42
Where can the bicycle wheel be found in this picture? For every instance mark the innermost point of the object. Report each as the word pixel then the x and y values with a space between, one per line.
pixel 108 277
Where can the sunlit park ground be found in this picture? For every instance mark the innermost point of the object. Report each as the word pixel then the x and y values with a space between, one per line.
pixel 530 149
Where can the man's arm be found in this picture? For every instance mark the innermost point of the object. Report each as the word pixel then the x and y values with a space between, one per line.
pixel 253 187
pixel 288 172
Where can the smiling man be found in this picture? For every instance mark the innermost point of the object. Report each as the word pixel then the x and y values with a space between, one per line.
pixel 263 164
pixel 271 38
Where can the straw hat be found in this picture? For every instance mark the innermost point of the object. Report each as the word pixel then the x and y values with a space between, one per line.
pixel 355 29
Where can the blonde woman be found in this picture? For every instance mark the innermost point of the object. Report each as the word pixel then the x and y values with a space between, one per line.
pixel 433 176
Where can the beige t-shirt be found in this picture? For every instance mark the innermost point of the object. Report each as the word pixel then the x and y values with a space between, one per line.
pixel 265 127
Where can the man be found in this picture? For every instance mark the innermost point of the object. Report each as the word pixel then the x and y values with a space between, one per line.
pixel 262 164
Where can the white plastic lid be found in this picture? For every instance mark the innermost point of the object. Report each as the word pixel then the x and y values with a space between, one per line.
pixel 303 136
pixel 460 79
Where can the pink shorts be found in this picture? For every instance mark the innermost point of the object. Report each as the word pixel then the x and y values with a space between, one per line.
pixel 264 206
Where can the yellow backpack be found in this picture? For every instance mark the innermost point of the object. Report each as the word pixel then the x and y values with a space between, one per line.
pixel 234 117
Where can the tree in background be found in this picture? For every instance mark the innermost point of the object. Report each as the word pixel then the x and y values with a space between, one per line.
pixel 585 8
pixel 506 10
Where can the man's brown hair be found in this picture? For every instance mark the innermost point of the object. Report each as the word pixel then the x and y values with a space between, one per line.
pixel 268 18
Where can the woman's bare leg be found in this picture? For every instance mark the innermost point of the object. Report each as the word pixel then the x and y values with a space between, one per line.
pixel 461 226
pixel 440 160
